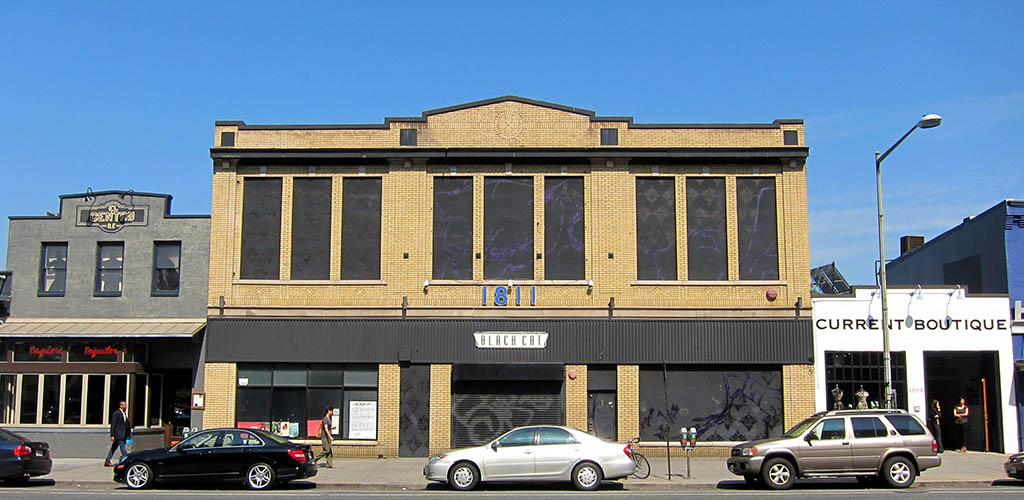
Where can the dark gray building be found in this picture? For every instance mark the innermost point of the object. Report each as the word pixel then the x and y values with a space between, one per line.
pixel 107 303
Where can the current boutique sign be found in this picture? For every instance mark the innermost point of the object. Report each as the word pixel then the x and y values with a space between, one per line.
pixel 511 340
pixel 112 216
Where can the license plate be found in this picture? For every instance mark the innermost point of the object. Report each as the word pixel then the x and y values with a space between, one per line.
pixel 39 453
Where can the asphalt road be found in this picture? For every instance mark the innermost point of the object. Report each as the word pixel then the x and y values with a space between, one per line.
pixel 300 490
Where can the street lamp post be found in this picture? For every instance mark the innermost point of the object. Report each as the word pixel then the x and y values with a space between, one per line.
pixel 927 121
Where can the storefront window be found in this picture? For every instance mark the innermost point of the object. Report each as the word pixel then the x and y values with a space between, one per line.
pixel 94 398
pixel 51 399
pixel 741 404
pixel 73 399
pixel 859 375
pixel 68 399
pixel 291 399
pixel 29 398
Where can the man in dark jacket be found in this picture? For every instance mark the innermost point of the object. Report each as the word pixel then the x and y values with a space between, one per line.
pixel 120 431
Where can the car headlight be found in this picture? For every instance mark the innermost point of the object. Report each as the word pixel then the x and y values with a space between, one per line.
pixel 749 452
pixel 1016 460
pixel 436 458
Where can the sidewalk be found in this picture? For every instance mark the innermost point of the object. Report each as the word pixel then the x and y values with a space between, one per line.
pixel 958 469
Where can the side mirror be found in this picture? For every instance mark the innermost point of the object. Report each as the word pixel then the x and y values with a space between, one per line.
pixel 809 437
pixel 186 446
pixel 494 446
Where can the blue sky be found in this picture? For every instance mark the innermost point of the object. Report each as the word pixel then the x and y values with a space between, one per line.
pixel 125 96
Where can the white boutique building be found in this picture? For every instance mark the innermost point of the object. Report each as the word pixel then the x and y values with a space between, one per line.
pixel 945 343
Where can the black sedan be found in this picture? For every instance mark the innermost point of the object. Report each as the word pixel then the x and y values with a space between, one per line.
pixel 256 458
pixel 21 459
pixel 1014 466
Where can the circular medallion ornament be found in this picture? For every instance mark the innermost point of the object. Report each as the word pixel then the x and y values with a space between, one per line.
pixel 573 374
pixel 771 294
pixel 508 124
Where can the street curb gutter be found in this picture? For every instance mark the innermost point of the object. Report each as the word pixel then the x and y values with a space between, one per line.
pixel 622 486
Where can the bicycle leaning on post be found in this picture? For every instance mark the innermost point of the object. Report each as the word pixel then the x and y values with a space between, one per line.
pixel 641 467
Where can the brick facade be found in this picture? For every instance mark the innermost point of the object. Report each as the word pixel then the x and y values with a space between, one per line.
pixel 496 138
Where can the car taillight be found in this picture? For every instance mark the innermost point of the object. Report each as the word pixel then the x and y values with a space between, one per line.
pixel 935 446
pixel 628 451
pixel 22 450
pixel 298 455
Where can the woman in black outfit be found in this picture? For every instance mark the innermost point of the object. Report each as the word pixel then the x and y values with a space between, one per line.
pixel 960 413
pixel 935 422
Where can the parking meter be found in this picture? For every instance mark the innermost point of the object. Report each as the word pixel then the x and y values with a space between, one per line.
pixel 693 437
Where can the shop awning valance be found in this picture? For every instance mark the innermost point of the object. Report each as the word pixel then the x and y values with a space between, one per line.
pixel 102 328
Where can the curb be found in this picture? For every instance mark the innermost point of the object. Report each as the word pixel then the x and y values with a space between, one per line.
pixel 683 484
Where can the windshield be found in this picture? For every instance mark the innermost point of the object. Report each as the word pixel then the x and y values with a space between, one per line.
pixel 800 428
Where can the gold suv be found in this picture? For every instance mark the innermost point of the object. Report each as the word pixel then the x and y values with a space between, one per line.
pixel 890 445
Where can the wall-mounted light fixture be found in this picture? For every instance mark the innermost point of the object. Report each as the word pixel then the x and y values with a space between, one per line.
pixel 426 285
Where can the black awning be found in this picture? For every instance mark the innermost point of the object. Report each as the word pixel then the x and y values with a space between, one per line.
pixel 582 341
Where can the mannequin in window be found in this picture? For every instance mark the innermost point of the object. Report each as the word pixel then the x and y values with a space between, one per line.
pixel 837 398
pixel 862 398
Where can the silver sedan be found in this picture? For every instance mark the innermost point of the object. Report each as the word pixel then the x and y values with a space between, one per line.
pixel 534 454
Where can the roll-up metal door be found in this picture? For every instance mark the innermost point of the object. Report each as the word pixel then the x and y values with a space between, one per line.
pixel 483 410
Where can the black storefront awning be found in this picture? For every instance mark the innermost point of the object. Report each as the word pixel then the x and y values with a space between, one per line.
pixel 577 341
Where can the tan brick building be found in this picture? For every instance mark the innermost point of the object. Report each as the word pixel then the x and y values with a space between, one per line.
pixel 443 278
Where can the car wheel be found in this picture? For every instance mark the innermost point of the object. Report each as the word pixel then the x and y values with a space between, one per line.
pixel 260 476
pixel 898 472
pixel 138 476
pixel 463 476
pixel 778 474
pixel 586 476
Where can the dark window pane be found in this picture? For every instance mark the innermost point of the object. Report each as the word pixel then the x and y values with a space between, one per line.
pixel 93 352
pixel 508 227
pixel 563 228
pixel 288 409
pixel 318 400
pixel 38 352
pixel 360 229
pixel 609 137
pixel 73 399
pixel 453 228
pixel 655 228
pixel 361 376
pixel 138 402
pixel 156 386
pixel 724 405
pixel 407 137
pixel 166 267
pixel 94 400
pixel 853 372
pixel 254 374
pixel 29 398
pixel 311 229
pixel 7 384
pixel 51 399
pixel 261 229
pixel 118 392
pixel 706 243
pixel 790 138
pixel 53 272
pixel 330 375
pixel 253 405
pixel 290 375
pixel 757 231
